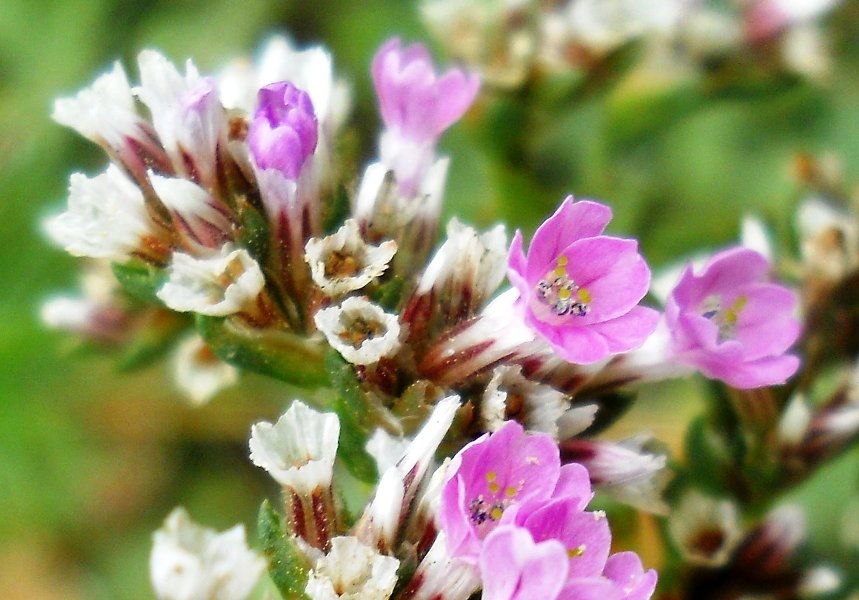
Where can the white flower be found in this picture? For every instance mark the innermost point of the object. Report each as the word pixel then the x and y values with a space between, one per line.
pixel 829 239
pixel 191 562
pixel 106 217
pixel 399 483
pixel 198 373
pixel 442 576
pixel 218 286
pixel 705 529
pixel 198 214
pixel 342 262
pixel 359 330
pixel 186 114
pixel 385 449
pixel 103 112
pixel 603 25
pixel 352 571
pixel 299 450
pixel 380 202
pixel 509 395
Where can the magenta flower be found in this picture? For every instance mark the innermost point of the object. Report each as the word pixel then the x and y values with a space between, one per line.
pixel 580 289
pixel 510 509
pixel 732 324
pixel 284 131
pixel 491 475
pixel 412 98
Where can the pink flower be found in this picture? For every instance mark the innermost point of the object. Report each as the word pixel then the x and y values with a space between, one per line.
pixel 730 323
pixel 580 289
pixel 283 134
pixel 417 105
pixel 412 98
pixel 492 474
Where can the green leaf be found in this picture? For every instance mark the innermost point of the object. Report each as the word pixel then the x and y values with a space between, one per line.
pixel 354 410
pixel 140 280
pixel 279 354
pixel 287 565
pixel 253 233
pixel 336 211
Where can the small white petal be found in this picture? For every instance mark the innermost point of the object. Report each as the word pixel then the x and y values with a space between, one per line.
pixel 342 262
pixel 102 112
pixel 352 571
pixel 198 373
pixel 195 206
pixel 191 562
pixel 386 449
pixel 359 330
pixel 106 217
pixel 699 520
pixel 218 286
pixel 299 450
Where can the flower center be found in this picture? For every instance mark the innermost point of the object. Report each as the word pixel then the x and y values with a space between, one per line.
pixel 563 296
pixel 359 330
pixel 724 318
pixel 483 510
pixel 340 265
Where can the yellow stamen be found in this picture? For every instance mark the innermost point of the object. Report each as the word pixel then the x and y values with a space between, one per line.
pixel 510 491
pixel 584 296
pixel 496 513
pixel 494 487
pixel 490 476
pixel 576 552
pixel 562 261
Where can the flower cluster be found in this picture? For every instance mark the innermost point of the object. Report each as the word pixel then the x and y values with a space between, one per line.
pixel 226 225
pixel 510 41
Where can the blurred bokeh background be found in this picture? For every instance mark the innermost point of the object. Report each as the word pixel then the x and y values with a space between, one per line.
pixel 92 458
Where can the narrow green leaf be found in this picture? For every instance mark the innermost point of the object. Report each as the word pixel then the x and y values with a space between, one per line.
pixel 140 280
pixel 279 354
pixel 353 408
pixel 287 565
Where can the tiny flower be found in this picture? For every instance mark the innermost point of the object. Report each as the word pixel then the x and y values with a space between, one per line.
pixel 494 335
pixel 198 373
pixel 580 289
pixel 352 571
pixel 221 285
pixel 829 240
pixel 462 275
pixel 398 484
pixel 105 113
pixel 731 323
pixel 299 450
pixel 284 131
pixel 624 470
pixel 186 114
pixel 342 262
pixel 417 105
pixel 195 213
pixel 705 529
pixel 359 330
pixel 191 562
pixel 95 313
pixel 498 472
pixel 106 218
pixel 508 396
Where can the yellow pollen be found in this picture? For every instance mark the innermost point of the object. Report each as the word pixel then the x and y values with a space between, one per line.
pixel 576 552
pixel 563 293
pixel 494 487
pixel 584 296
pixel 490 476
pixel 559 272
pixel 510 491
pixel 496 513
pixel 562 261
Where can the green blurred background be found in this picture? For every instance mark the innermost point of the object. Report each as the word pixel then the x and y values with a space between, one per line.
pixel 91 460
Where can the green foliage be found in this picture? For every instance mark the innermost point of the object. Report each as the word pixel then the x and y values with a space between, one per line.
pixel 140 280
pixel 280 354
pixel 356 418
pixel 287 566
